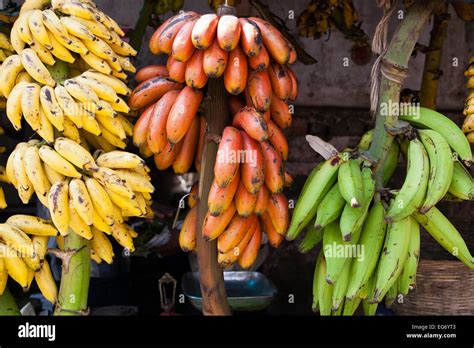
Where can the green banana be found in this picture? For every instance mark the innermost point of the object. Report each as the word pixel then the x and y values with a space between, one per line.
pixel 371 241
pixel 318 183
pixel 322 291
pixel 350 183
pixel 352 219
pixel 443 231
pixel 391 162
pixel 340 287
pixel 427 118
pixel 366 140
pixel 334 251
pixel 462 185
pixel 441 167
pixel 392 294
pixel 330 208
pixel 338 311
pixel 410 196
pixel 407 279
pixel 368 305
pixel 395 251
pixel 350 306
pixel 311 239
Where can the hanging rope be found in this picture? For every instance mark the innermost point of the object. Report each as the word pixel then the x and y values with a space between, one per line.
pixel 379 47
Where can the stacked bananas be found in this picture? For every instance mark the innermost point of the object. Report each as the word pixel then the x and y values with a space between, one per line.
pixel 69 30
pixel 83 193
pixel 6 48
pixel 321 16
pixel 371 240
pixel 468 125
pixel 208 46
pixel 23 247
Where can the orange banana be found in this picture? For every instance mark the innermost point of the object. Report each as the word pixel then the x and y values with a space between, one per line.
pixel 280 112
pixel 235 74
pixel 177 69
pixel 294 84
pixel 274 238
pixel 154 40
pixel 245 201
pixel 260 90
pixel 204 31
pixel 274 168
pixel 281 81
pixel 250 37
pixel 167 36
pixel 293 55
pixel 215 60
pixel 182 113
pixel 252 122
pixel 151 71
pixel 165 158
pixel 151 90
pixel 231 256
pixel 262 201
pixel 274 41
pixel 185 156
pixel 278 139
pixel 187 235
pixel 249 255
pixel 227 161
pixel 228 32
pixel 279 213
pixel 200 146
pixel 260 61
pixel 183 47
pixel 195 75
pixel 193 195
pixel 234 233
pixel 288 179
pixel 157 139
pixel 213 226
pixel 253 172
pixel 221 198
pixel 140 129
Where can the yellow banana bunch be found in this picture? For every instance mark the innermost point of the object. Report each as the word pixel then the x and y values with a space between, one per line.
pixel 468 125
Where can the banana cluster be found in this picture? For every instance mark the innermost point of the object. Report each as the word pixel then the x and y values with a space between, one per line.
pixel 23 247
pixel 321 16
pixel 72 30
pixel 164 6
pixel 81 191
pixel 468 125
pixel 371 240
pixel 89 101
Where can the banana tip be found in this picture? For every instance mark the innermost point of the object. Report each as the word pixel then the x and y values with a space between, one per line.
pixel 355 203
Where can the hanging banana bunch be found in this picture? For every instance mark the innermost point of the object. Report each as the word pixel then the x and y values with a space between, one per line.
pixel 468 125
pixel 338 207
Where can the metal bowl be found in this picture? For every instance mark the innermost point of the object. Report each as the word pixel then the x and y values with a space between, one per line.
pixel 246 291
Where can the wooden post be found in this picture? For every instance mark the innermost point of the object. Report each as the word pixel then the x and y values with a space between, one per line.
pixel 214 298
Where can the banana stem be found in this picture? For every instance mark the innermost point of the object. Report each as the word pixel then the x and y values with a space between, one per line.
pixel 397 56
pixel 144 18
pixel 74 288
pixel 431 71
pixel 8 306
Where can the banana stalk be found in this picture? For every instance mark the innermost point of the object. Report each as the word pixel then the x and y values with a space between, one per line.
pixel 397 55
pixel 74 288
pixel 8 306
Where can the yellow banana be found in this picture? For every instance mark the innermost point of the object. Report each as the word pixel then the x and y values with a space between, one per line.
pixel 90 124
pixel 23 28
pixel 122 236
pixel 43 53
pixel 17 240
pixel 29 5
pixel 77 224
pixel 97 63
pixel 120 159
pixel 70 130
pixel 112 138
pixel 9 169
pixel 46 129
pixel 5 43
pixel 137 182
pixel 53 23
pixel 14 112
pixel 125 203
pixel 60 51
pixel 34 170
pixel 74 153
pixel 36 68
pixel 57 162
pixel 97 28
pixel 37 28
pixel 30 105
pixel 58 202
pixel 101 49
pixel 116 84
pixel 25 188
pixel 113 125
pixel 69 107
pixel 105 109
pixel 11 67
pixel 120 106
pixel 99 223
pixel 52 175
pixel 3 202
pixel 81 92
pixel 101 202
pixel 102 90
pixel 73 8
pixel 46 284
pixel 126 125
pixel 126 64
pixel 17 43
pixel 81 200
pixel 102 246
pixel 32 225
pixel 14 265
pixel 3 275
pixel 51 107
